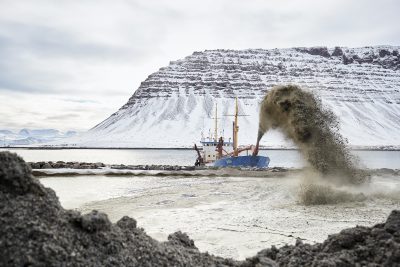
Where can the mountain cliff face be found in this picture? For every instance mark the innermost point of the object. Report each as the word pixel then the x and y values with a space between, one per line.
pixel 175 105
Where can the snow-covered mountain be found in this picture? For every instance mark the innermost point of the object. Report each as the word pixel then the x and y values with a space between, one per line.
pixel 26 137
pixel 174 105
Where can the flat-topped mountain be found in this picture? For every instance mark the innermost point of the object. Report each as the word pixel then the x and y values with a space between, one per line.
pixel 174 106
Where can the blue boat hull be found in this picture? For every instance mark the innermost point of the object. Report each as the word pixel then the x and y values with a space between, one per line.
pixel 243 161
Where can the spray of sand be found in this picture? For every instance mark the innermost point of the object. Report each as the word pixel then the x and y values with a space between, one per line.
pixel 314 190
pixel 314 129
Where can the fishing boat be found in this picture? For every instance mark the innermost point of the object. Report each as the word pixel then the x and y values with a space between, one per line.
pixel 218 152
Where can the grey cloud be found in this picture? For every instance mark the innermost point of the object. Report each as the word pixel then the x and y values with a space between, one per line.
pixel 47 48
pixel 13 125
pixel 16 74
pixel 22 43
pixel 62 117
pixel 46 41
pixel 82 101
pixel 79 110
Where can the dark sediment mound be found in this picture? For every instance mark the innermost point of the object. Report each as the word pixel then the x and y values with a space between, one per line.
pixel 36 230
pixel 301 117
pixel 359 246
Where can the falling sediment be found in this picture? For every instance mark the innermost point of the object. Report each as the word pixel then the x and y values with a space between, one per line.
pixel 313 128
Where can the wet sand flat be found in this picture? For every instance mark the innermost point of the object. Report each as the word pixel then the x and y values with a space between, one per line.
pixel 227 216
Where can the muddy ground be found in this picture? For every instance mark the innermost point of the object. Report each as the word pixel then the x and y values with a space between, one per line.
pixel 36 230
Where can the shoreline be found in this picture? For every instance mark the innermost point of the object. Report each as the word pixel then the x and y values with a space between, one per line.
pixel 61 168
pixel 174 148
pixel 92 239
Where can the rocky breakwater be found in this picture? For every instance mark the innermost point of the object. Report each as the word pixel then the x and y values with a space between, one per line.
pixel 97 165
pixel 36 230
pixel 152 167
pixel 63 164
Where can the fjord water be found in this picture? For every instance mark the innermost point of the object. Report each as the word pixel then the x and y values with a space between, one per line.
pixel 279 158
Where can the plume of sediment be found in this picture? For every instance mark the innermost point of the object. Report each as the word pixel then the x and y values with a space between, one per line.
pixel 314 129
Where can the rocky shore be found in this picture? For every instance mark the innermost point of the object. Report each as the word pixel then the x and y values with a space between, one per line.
pixel 98 165
pixel 63 164
pixel 36 230
pixel 87 165
pixel 49 168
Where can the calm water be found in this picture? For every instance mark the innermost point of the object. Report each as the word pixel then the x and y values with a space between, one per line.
pixel 280 158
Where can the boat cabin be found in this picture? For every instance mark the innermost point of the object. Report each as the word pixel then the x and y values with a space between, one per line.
pixel 210 151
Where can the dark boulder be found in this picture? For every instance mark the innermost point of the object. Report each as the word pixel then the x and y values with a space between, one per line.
pixel 181 239
pixel 384 53
pixel 127 223
pixel 16 177
pixel 392 224
pixel 337 52
pixel 316 51
pixel 347 60
pixel 95 221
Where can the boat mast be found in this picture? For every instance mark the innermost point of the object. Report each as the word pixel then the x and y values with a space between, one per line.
pixel 216 123
pixel 235 130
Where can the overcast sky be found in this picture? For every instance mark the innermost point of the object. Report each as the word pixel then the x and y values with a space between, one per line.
pixel 70 64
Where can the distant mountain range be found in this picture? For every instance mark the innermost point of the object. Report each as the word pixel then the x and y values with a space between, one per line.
pixel 26 137
pixel 174 106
